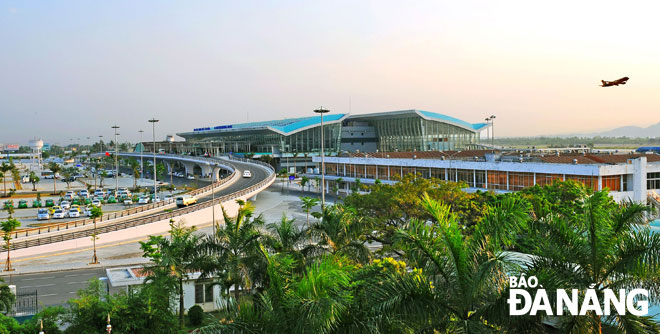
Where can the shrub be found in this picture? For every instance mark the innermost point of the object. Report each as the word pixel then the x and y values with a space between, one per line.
pixel 195 315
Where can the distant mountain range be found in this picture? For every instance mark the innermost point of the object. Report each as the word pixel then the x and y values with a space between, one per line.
pixel 628 131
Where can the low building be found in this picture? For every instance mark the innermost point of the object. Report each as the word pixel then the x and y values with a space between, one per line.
pixel 632 176
pixel 196 291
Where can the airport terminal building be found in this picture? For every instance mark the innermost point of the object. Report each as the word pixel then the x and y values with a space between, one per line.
pixel 405 130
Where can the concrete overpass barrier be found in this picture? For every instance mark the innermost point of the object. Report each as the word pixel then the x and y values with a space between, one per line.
pixel 137 227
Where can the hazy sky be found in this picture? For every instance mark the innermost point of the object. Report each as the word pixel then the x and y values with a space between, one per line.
pixel 71 69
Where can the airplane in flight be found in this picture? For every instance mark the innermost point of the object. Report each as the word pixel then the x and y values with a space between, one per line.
pixel 616 82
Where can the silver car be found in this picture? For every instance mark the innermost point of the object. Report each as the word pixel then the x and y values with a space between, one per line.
pixel 43 214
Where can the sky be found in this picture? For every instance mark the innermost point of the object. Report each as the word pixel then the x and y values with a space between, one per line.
pixel 73 69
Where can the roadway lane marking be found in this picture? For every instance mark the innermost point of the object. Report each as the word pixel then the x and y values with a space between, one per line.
pixel 83 282
pixel 36 278
pixel 48 295
pixel 36 286
pixel 79 275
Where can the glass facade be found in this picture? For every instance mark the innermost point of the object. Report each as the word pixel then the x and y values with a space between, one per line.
pixel 265 141
pixel 484 179
pixel 418 134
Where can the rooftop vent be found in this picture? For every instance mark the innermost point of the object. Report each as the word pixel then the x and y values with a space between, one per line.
pixel 575 161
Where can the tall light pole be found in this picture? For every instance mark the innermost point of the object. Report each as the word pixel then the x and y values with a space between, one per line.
pixel 492 131
pixel 322 111
pixel 141 153
pixel 487 129
pixel 153 122
pixel 116 160
pixel 101 141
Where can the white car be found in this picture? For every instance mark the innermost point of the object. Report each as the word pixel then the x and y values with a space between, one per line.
pixel 128 201
pixel 247 173
pixel 43 214
pixel 74 213
pixel 25 179
pixel 65 205
pixel 83 194
pixel 59 214
pixel 190 177
pixel 96 203
pixel 99 192
pixel 168 198
pixel 143 200
pixel 70 193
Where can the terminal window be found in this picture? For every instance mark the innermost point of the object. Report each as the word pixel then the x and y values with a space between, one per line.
pixel 653 181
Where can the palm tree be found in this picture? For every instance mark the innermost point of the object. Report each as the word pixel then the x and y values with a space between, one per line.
pixel 338 231
pixel 307 204
pixel 464 277
pixel 97 212
pixel 16 175
pixel 232 253
pixel 34 179
pixel 286 238
pixel 303 182
pixel 102 176
pixel 135 167
pixel 4 168
pixel 55 168
pixel 172 259
pixel 8 227
pixel 601 245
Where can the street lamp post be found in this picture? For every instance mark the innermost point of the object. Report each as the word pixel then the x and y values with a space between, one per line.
pixel 153 122
pixel 101 141
pixel 141 153
pixel 322 111
pixel 116 160
pixel 487 129
pixel 492 131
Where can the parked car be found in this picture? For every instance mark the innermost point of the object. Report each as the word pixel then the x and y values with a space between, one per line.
pixel 190 177
pixel 49 203
pixel 144 200
pixel 22 204
pixel 43 214
pixel 65 205
pixel 25 179
pixel 9 204
pixel 59 214
pixel 96 203
pixel 74 213
pixel 83 193
pixel 36 204
pixel 99 192
pixel 168 198
pixel 127 201
pixel 112 199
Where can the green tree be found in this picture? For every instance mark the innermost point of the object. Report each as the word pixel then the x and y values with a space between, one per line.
pixel 172 258
pixel 462 289
pixel 9 226
pixel 303 182
pixel 135 167
pixel 96 213
pixel 103 175
pixel 7 298
pixel 339 231
pixel 55 168
pixel 598 244
pixel 34 179
pixel 232 253
pixel 307 204
pixel 67 175
pixel 4 169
